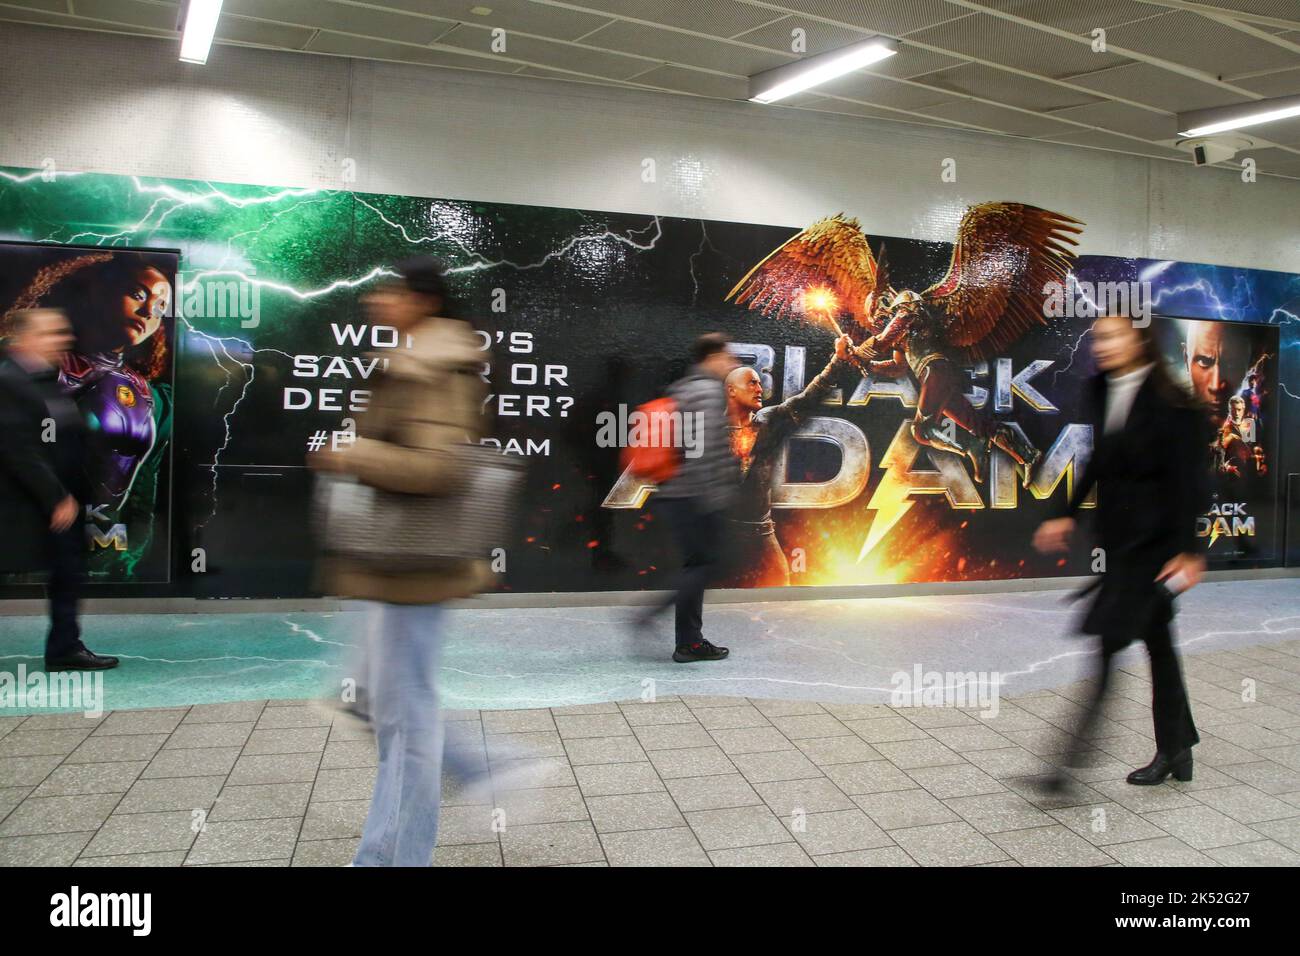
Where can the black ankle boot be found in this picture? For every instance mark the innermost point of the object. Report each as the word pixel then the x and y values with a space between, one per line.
pixel 1180 765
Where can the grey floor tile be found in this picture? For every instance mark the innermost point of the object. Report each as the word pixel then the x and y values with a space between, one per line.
pixel 1144 799
pixel 1252 736
pixel 297 714
pixel 817 795
pixel 730 718
pixel 141 722
pixel 34 743
pixel 261 801
pixel 604 707
pixel 473 854
pixel 333 820
pixel 1009 762
pixel 349 754
pixel 958 780
pixel 778 765
pixel 10 797
pixel 751 740
pixel 999 812
pixel 904 808
pixel 241 841
pixel 877 730
pixel 1246 804
pixel 883 856
pixel 658 713
pixel 467 825
pixel 1201 827
pixel 908 754
pixel 594 725
pixel 1263 775
pixel 1263 853
pixel 634 811
pixel 325 852
pixel 546 805
pixel 27 771
pixel 1105 824
pixel 737 827
pixel 167 858
pixel 672 736
pixel 583 751
pixel 691 762
pixel 769 707
pixel 204 762
pixel 1286 832
pixel 240 711
pixel 518 746
pixel 533 773
pixel 209 734
pixel 676 846
pixel 874 776
pixel 117 748
pixel 1053 845
pixel 772 854
pixel 349 783
pixel 599 780
pixel 1165 851
pixel 91 778
pixel 712 792
pixel 549 844
pixel 826 751
pixel 143 833
pixel 967 738
pixel 274 768
pixel 59 814
pixel 947 844
pixel 836 831
pixel 47 849
pixel 803 726
pixel 171 793
pixel 931 718
pixel 77 720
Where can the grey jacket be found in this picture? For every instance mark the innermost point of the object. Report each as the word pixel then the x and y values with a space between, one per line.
pixel 709 472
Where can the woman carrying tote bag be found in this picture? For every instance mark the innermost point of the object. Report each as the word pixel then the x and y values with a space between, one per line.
pixel 427 402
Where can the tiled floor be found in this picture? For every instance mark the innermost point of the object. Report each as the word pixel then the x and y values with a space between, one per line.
pixel 682 780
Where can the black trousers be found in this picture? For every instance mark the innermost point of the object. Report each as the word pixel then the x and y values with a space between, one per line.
pixel 67 572
pixel 700 536
pixel 1170 709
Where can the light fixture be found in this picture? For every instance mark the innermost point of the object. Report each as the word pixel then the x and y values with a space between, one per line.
pixel 1219 119
pixel 199 25
pixel 772 85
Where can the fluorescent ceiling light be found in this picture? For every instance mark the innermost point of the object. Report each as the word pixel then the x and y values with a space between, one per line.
pixel 200 25
pixel 777 84
pixel 1223 118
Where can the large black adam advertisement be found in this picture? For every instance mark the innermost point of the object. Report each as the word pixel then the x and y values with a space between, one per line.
pixel 926 446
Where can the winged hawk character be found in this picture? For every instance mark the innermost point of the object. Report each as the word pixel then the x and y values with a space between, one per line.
pixel 993 293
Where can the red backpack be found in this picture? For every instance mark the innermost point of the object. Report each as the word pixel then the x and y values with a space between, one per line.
pixel 659 458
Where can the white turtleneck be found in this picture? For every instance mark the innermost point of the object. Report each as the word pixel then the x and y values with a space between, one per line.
pixel 1120 392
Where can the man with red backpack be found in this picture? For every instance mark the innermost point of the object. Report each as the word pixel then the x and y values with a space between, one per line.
pixel 694 500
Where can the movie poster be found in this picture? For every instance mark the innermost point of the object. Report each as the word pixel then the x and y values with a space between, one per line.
pixel 119 374
pixel 932 456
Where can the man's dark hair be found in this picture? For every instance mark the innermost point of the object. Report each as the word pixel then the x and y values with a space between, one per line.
pixel 427 276
pixel 709 344
pixel 20 320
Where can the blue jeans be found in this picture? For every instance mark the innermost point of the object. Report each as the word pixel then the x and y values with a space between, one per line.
pixel 404 644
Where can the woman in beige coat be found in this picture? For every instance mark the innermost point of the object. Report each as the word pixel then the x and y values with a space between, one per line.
pixel 428 399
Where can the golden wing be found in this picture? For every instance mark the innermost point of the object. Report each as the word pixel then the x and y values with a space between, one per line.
pixel 993 292
pixel 827 268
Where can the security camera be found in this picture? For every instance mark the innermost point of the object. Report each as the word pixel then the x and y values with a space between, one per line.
pixel 1211 150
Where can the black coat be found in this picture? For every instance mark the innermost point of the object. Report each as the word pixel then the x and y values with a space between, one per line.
pixel 1152 484
pixel 35 474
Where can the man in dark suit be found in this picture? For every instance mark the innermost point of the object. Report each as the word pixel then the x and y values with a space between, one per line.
pixel 42 448
pixel 1149 471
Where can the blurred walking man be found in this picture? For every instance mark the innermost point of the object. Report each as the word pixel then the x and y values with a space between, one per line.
pixel 42 481
pixel 694 501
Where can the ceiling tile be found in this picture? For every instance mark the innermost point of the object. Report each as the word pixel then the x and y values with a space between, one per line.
pixel 1192 40
pixel 879 91
pixel 1122 118
pixel 340 44
pixel 693 81
pixel 709 53
pixel 1283 9
pixel 49 6
pixel 1144 83
pixel 997 118
pixel 881 16
pixel 719 18
pixel 1009 88
pixel 339 18
pixel 541 19
pixel 14 14
pixel 1000 41
pixel 159 16
pixel 550 53
pixel 1081 18
pixel 1284 83
pixel 261 33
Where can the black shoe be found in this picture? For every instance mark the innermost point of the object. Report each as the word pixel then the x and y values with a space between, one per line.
pixel 701 650
pixel 81 659
pixel 1180 765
